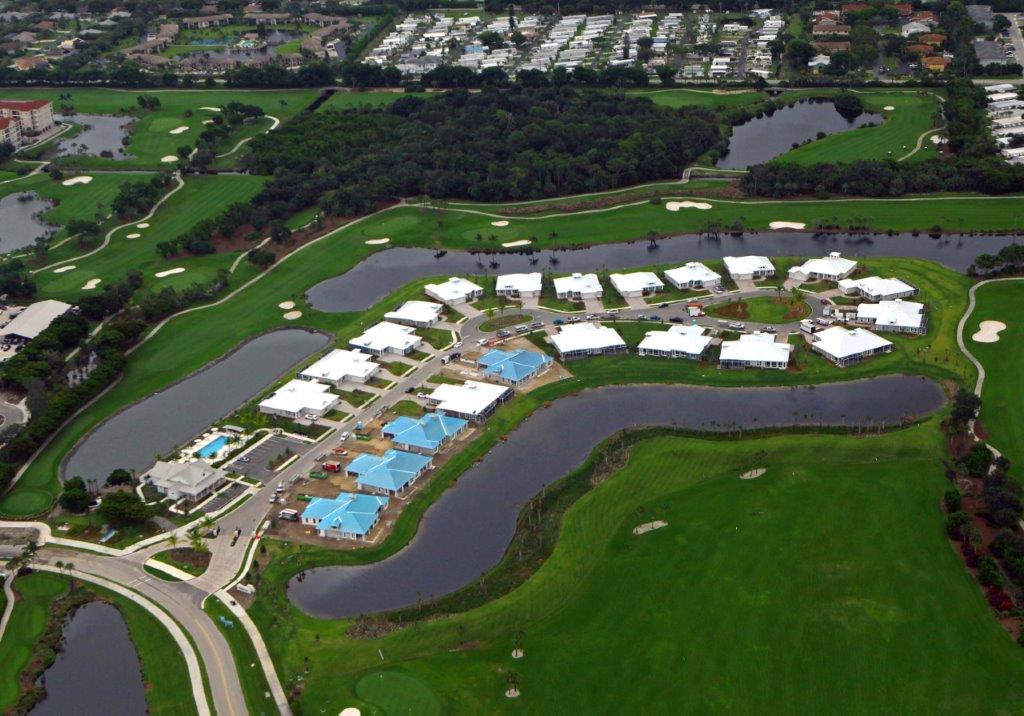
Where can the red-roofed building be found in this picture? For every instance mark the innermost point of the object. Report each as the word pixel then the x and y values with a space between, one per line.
pixel 904 9
pixel 33 116
pixel 935 64
pixel 10 131
pixel 847 8
pixel 926 16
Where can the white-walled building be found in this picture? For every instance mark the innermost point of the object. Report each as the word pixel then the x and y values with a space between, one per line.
pixel 693 275
pixel 184 480
pixel 34 319
pixel 875 288
pixel 339 366
pixel 829 268
pixel 677 342
pixel 755 350
pixel 454 291
pixel 472 400
pixel 298 398
pixel 587 339
pixel 578 286
pixel 898 316
pixel 421 314
pixel 845 346
pixel 749 267
pixel 519 285
pixel 386 337
pixel 638 283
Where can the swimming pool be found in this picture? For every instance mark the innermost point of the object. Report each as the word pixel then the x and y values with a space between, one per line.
pixel 213 447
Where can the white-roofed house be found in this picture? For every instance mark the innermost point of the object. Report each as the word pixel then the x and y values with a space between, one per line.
pixel 829 268
pixel 578 286
pixel 755 350
pixel 677 342
pixel 898 316
pixel 422 314
pixel 339 366
pixel 845 346
pixel 875 288
pixel 587 339
pixel 472 400
pixel 638 283
pixel 386 337
pixel 749 267
pixel 519 285
pixel 297 398
pixel 454 291
pixel 692 275
pixel 189 480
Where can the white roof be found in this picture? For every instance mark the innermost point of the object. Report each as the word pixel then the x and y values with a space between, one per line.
pixel 876 286
pixel 741 265
pixel 525 282
pixel 756 348
pixel 454 289
pixel 637 281
pixel 386 336
pixel 832 265
pixel 693 271
pixel 187 477
pixel 341 364
pixel 36 318
pixel 578 283
pixel 586 337
pixel 893 314
pixel 295 396
pixel 470 398
pixel 416 312
pixel 681 339
pixel 842 342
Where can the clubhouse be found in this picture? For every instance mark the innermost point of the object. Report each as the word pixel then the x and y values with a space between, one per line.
pixel 846 346
pixel 755 350
pixel 190 481
pixel 577 340
pixel 677 342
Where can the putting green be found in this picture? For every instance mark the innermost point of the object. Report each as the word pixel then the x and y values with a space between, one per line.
pixel 397 692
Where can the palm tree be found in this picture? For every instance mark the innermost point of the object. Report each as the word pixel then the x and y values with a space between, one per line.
pixel 196 541
pixel 173 540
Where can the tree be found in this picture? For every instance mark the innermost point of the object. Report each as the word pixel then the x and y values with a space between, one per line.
pixel 74 497
pixel 196 541
pixel 119 476
pixel 174 540
pixel 125 508
pixel 849 105
pixel 799 53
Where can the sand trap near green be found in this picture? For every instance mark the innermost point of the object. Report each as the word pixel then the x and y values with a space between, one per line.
pixel 988 332
pixel 169 272
pixel 179 130
pixel 77 180
pixel 677 205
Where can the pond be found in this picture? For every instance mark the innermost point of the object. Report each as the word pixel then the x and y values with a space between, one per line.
pixel 98 671
pixel 21 220
pixel 384 272
pixel 763 138
pixel 100 133
pixel 163 421
pixel 466 532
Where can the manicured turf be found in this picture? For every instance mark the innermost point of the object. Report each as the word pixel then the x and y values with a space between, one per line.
pixel 1004 381
pixel 151 138
pixel 35 592
pixel 828 580
pixel 247 663
pixel 783 309
pixel 347 100
pixel 700 98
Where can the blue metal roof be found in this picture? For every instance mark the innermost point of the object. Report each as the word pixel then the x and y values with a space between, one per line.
pixel 429 432
pixel 348 512
pixel 513 366
pixel 391 471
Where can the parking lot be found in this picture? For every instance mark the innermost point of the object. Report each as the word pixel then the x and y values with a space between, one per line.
pixel 225 497
pixel 254 463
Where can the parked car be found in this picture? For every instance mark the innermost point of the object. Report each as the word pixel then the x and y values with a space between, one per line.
pixel 676 319
pixel 422 396
pixel 662 305
pixel 558 322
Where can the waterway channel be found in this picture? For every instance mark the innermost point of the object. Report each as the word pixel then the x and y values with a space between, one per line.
pixel 465 533
pixel 163 421
pixel 384 272
pixel 97 673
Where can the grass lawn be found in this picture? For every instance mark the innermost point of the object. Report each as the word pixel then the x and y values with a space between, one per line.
pixel 700 98
pixel 408 408
pixel 763 309
pixel 184 559
pixel 34 594
pixel 1004 377
pixel 398 368
pixel 437 337
pixel 151 138
pixel 342 99
pixel 865 603
pixel 250 673
pixel 498 322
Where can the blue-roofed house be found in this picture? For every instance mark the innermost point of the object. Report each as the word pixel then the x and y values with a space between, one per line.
pixel 514 367
pixel 347 516
pixel 426 435
pixel 390 473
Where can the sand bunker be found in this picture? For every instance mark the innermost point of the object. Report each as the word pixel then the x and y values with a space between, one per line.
pixel 143 225
pixel 91 284
pixel 377 242
pixel 350 711
pixel 169 158
pixel 521 242
pixel 76 180
pixel 988 332
pixel 133 236
pixel 499 223
pixel 888 108
pixel 286 305
pixel 211 109
pixel 753 474
pixel 62 269
pixel 169 272
pixel 207 121
pixel 179 130
pixel 292 315
pixel 677 205
pixel 649 527
pixel 787 225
